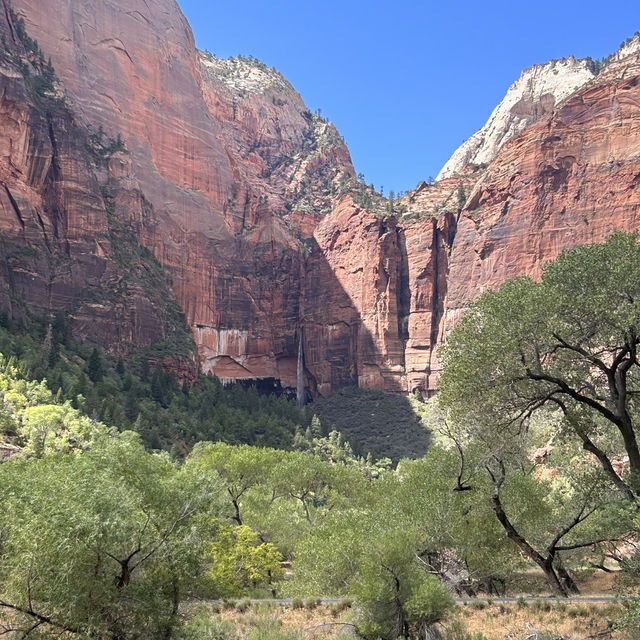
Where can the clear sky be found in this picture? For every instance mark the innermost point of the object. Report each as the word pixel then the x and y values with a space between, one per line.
pixel 406 82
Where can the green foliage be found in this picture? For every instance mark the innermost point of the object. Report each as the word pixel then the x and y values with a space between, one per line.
pixel 461 196
pixel 372 538
pixel 428 603
pixel 46 428
pixel 542 373
pixel 28 43
pixel 385 425
pixel 565 347
pixel 154 405
pixel 394 593
pixel 203 626
pixel 112 550
pixel 102 147
pixel 368 198
pixel 35 421
pixel 39 77
pixel 238 561
pixel 94 366
pixel 126 534
pixel 336 450
pixel 281 495
pixel 250 626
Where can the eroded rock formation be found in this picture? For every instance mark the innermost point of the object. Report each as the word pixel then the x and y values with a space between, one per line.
pixel 225 170
pixel 152 179
pixel 536 92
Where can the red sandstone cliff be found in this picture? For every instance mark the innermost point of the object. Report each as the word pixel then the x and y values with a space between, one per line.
pixel 248 204
pixel 225 168
pixel 571 178
pixel 58 247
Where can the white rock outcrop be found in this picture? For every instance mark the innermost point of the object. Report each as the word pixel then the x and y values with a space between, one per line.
pixel 242 74
pixel 536 92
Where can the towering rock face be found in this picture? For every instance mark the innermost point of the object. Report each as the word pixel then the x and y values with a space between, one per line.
pixel 569 179
pixel 218 155
pixel 168 181
pixel 354 296
pixel 60 245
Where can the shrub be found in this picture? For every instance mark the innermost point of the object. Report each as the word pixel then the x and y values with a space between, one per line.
pixel 243 605
pixel 312 603
pixel 337 608
pixel 203 627
pixel 540 605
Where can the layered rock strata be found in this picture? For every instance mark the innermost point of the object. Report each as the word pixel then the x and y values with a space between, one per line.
pixel 154 180
pixel 538 90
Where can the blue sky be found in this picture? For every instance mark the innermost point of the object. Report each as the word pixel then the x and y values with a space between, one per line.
pixel 406 82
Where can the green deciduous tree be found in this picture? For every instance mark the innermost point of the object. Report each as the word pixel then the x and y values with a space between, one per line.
pixel 567 345
pixel 102 544
pixel 553 366
pixel 239 561
pixel 46 428
pixel 372 553
pixel 396 595
pixel 280 495
pixel 242 468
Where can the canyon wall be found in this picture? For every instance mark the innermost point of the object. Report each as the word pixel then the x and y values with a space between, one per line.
pixel 224 172
pixel 192 207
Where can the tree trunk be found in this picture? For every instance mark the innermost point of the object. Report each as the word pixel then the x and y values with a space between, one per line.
pixel 427 632
pixel 545 563
pixel 567 581
pixel 553 580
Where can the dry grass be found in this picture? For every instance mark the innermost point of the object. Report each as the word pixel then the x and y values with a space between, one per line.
pixel 316 622
pixel 511 621
pixel 496 621
pixel 590 583
pixel 598 583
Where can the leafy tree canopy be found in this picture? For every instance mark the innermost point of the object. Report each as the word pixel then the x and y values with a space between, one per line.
pixel 102 544
pixel 566 347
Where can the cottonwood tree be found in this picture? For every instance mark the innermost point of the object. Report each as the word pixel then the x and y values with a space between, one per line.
pixel 563 352
pixel 240 561
pixel 370 555
pixel 569 344
pixel 555 504
pixel 552 516
pixel 279 494
pixel 242 468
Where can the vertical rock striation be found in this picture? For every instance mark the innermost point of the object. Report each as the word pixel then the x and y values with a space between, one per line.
pixel 171 182
pixel 219 153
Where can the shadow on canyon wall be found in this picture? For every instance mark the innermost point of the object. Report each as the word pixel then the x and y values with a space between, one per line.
pixel 354 310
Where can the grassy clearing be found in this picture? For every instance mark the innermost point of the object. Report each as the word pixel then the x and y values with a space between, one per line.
pixel 270 621
pixel 547 620
pixel 477 621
